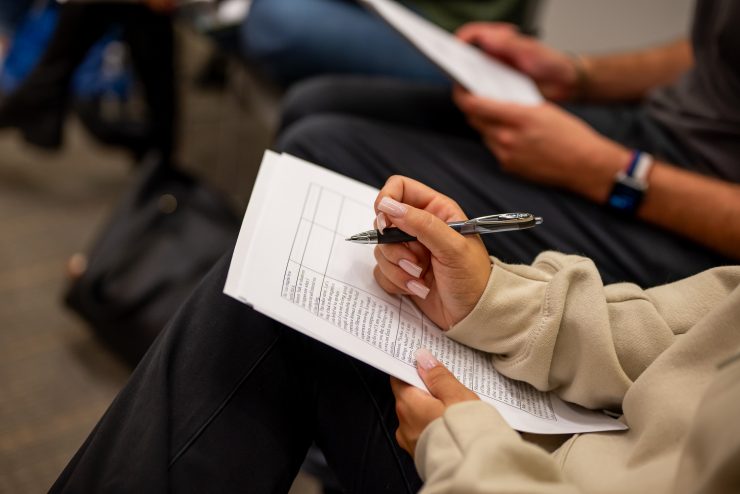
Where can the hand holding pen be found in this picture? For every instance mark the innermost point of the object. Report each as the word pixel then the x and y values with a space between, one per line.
pixel 494 223
pixel 445 272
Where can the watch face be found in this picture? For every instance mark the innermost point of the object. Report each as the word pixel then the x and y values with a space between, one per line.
pixel 625 198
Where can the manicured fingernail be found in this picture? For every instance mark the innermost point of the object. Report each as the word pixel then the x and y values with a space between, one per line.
pixel 425 359
pixel 417 288
pixel 381 221
pixel 410 268
pixel 392 207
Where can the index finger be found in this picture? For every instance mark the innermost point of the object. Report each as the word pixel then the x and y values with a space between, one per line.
pixel 474 32
pixel 420 196
pixel 397 386
pixel 488 109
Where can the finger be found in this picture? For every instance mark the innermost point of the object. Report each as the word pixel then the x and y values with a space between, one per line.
pixel 397 386
pixel 416 264
pixel 410 400
pixel 499 135
pixel 402 256
pixel 409 191
pixel 442 241
pixel 461 97
pixel 490 109
pixel 478 123
pixel 410 284
pixel 403 443
pixel 476 32
pixel 381 222
pixel 484 126
pixel 469 103
pixel 387 285
pixel 442 384
pixel 503 154
pixel 423 256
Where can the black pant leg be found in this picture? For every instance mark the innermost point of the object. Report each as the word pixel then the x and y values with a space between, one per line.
pixel 424 106
pixel 169 429
pixel 356 424
pixel 624 249
pixel 227 400
pixel 151 42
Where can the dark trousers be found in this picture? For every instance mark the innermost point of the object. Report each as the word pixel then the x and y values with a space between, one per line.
pixel 370 129
pixel 227 400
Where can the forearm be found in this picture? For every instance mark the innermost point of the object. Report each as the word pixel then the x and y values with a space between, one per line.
pixel 703 209
pixel 628 77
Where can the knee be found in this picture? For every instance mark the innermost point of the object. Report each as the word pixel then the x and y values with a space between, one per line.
pixel 327 140
pixel 311 97
pixel 305 137
pixel 272 28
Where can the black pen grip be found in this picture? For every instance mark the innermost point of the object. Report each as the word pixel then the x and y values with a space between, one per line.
pixel 394 235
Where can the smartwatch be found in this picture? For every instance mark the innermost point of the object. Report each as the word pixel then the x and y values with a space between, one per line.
pixel 630 185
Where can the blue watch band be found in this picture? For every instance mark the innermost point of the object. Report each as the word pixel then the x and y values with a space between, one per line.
pixel 630 186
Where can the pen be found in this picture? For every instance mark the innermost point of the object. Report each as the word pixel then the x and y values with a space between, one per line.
pixel 494 223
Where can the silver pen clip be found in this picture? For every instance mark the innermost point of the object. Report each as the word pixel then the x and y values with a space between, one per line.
pixel 500 222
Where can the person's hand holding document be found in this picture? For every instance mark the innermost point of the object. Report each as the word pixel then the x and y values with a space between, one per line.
pixel 293 263
pixel 467 65
pixel 505 81
pixel 444 272
pixel 556 74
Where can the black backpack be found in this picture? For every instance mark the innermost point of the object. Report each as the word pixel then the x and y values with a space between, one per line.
pixel 164 235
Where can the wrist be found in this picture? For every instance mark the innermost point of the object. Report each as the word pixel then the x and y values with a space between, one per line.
pixel 601 165
pixel 579 79
pixel 630 184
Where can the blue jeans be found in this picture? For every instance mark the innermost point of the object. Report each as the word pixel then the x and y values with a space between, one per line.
pixel 296 39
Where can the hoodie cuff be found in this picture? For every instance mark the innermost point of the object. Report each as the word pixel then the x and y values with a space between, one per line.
pixel 445 441
pixel 508 310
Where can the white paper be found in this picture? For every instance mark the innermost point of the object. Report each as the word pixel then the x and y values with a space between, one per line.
pixel 292 263
pixel 467 65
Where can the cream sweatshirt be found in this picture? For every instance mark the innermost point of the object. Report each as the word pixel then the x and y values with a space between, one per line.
pixel 668 358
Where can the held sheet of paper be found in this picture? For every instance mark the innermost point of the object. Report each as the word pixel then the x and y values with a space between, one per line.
pixel 467 65
pixel 292 263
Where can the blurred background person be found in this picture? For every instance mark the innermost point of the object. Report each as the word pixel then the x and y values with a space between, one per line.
pixel 292 40
pixel 669 111
pixel 39 102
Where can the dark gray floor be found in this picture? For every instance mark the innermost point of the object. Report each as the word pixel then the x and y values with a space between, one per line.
pixel 55 378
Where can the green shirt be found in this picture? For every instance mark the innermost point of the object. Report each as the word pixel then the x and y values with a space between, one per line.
pixel 451 14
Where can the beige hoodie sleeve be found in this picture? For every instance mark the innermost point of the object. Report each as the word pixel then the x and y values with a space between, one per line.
pixel 471 449
pixel 555 325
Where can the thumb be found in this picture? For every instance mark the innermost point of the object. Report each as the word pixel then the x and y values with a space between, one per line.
pixel 440 382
